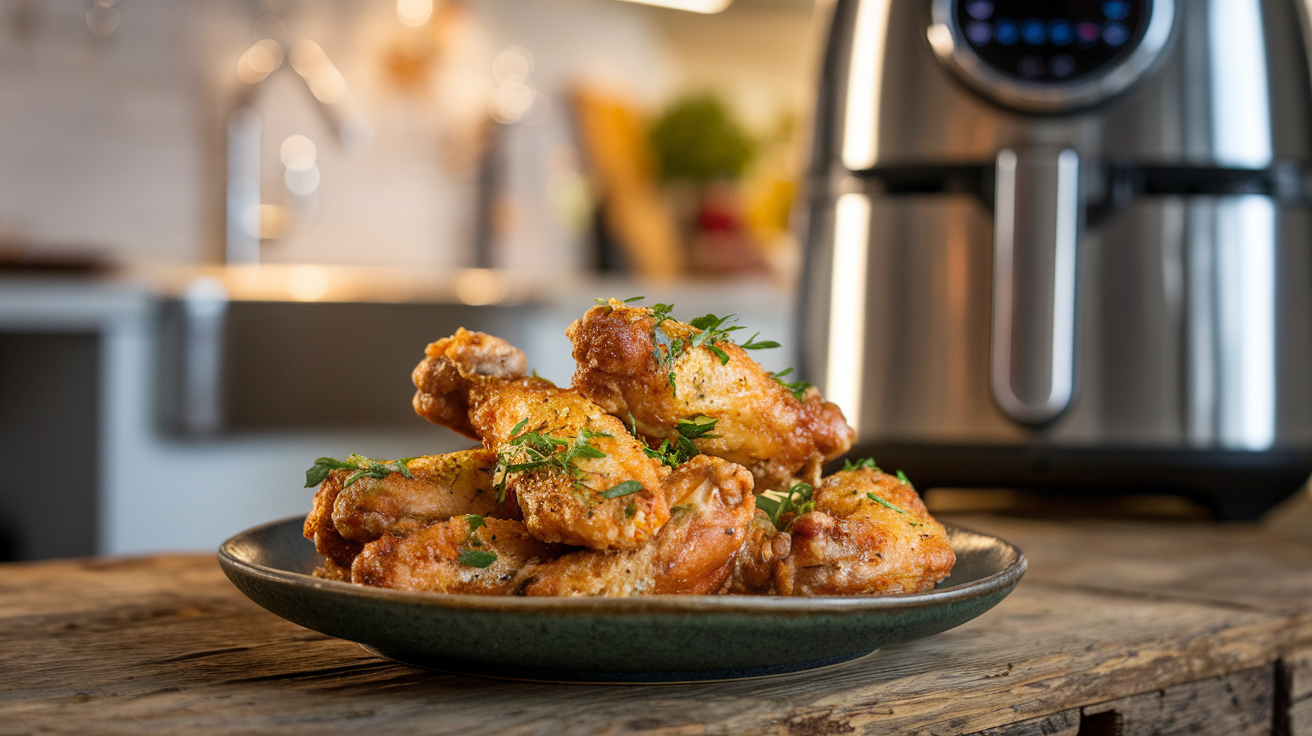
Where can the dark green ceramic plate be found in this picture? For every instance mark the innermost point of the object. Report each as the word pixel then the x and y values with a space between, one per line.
pixel 643 639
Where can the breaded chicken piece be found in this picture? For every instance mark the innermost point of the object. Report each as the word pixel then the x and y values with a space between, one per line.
pixel 575 471
pixel 694 553
pixel 762 425
pixel 441 486
pixel 869 534
pixel 607 498
pixel 463 554
pixel 455 365
pixel 754 565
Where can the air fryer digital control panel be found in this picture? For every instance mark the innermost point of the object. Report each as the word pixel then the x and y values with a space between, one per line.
pixel 1051 41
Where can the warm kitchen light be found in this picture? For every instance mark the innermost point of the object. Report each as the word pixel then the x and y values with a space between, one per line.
pixel 478 286
pixel 297 152
pixel 414 13
pixel 326 83
pixel 692 6
pixel 307 283
pixel 259 60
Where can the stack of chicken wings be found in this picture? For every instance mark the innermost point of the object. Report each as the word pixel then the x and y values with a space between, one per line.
pixel 674 464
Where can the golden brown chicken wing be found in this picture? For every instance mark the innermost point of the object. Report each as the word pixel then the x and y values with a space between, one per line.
pixel 660 374
pixel 754 565
pixel 349 512
pixel 576 472
pixel 693 553
pixel 869 534
pixel 453 367
pixel 465 554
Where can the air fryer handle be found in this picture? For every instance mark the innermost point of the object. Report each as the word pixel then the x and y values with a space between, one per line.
pixel 1036 225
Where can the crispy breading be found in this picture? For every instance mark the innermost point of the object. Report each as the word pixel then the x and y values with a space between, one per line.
pixel 754 565
pixel 693 553
pixel 569 504
pixel 853 544
pixel 443 557
pixel 453 366
pixel 473 383
pixel 441 486
pixel 762 425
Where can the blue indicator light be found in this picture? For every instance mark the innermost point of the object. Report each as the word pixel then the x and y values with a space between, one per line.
pixel 980 9
pixel 1030 66
pixel 1115 34
pixel 1034 31
pixel 1116 9
pixel 1061 32
pixel 979 32
pixel 1062 66
pixel 1005 32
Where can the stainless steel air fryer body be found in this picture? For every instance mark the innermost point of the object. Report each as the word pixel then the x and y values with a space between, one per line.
pixel 1067 243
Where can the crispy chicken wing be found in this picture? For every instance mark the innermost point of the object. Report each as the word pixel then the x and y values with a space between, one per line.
pixel 453 366
pixel 761 426
pixel 576 472
pixel 869 534
pixel 459 555
pixel 441 486
pixel 754 565
pixel 694 552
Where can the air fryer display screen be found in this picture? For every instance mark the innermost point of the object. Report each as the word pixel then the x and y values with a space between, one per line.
pixel 1052 41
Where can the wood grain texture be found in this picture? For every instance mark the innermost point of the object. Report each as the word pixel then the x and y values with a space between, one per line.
pixel 1239 704
pixel 1296 671
pixel 167 645
pixel 1065 723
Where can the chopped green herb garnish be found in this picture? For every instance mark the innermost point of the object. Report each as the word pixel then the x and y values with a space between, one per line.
pixel 903 477
pixel 528 451
pixel 752 344
pixel 882 502
pixel 797 387
pixel 799 499
pixel 697 427
pixel 365 467
pixel 630 510
pixel 711 330
pixel 475 521
pixel 476 558
pixel 622 489
pixel 860 464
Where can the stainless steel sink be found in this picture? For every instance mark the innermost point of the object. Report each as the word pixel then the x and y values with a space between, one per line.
pixel 234 366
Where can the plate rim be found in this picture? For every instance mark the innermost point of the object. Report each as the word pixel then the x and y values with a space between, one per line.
pixel 681 604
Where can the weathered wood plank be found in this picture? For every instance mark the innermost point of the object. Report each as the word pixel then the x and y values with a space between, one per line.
pixel 1296 671
pixel 1238 704
pixel 168 645
pixel 1065 723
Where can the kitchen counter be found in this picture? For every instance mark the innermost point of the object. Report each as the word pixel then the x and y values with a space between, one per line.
pixel 1118 628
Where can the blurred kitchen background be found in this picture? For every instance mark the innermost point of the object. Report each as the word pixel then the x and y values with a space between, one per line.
pixel 228 227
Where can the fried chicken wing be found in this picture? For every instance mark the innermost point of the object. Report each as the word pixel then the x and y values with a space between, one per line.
pixel 754 565
pixel 625 368
pixel 592 484
pixel 464 554
pixel 453 367
pixel 440 487
pixel 576 472
pixel 869 534
pixel 693 553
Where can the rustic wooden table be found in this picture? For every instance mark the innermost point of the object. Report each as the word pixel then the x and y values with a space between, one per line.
pixel 1118 628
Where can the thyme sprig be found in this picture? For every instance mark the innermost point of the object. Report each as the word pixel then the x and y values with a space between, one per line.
pixel 799 499
pixel 527 451
pixel 365 467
